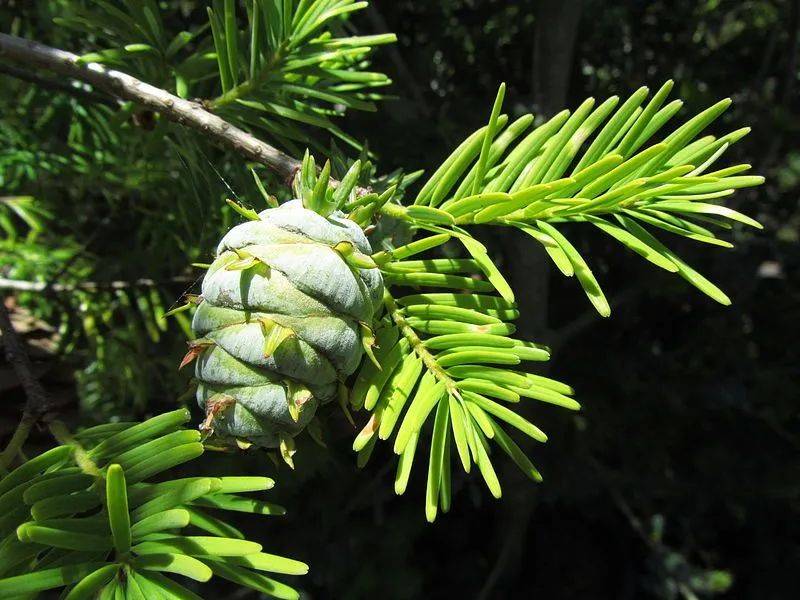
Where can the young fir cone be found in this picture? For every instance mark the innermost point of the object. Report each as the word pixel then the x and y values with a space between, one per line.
pixel 280 322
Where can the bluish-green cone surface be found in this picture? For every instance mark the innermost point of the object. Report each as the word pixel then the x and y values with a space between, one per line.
pixel 279 322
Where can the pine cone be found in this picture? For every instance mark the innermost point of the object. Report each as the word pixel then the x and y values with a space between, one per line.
pixel 279 324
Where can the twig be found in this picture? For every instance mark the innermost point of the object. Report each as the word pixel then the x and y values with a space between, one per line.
pixel 184 112
pixel 16 442
pixel 121 85
pixel 503 557
pixel 81 456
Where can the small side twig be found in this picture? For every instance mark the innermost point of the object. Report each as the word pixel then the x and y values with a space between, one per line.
pixel 16 442
pixel 81 456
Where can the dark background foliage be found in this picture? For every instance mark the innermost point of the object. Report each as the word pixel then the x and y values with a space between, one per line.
pixel 680 475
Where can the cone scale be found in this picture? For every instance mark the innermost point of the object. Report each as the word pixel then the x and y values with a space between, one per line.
pixel 281 319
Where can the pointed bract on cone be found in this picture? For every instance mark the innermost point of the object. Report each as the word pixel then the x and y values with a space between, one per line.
pixel 284 328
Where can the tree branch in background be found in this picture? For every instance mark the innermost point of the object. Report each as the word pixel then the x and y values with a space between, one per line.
pixel 37 403
pixel 89 286
pixel 37 400
pixel 123 86
pixel 556 29
pixel 785 89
